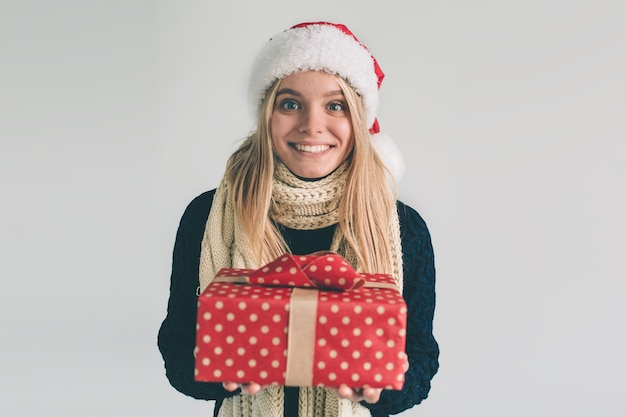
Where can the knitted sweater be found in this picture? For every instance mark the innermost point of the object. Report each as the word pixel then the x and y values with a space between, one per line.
pixel 176 337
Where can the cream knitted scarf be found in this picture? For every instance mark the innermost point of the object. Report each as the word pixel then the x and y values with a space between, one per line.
pixel 298 204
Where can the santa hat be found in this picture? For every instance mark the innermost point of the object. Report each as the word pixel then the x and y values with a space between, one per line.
pixel 332 48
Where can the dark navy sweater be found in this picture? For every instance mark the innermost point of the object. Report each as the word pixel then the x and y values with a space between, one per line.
pixel 177 334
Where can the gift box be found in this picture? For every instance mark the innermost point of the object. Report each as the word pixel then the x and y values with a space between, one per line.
pixel 302 321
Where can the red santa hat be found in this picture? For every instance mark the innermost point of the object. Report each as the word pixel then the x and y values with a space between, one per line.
pixel 332 48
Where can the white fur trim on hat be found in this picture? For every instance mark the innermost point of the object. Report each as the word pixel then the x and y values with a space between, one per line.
pixel 389 154
pixel 316 47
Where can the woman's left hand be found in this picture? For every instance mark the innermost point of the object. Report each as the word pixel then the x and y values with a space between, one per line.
pixel 369 395
pixel 249 389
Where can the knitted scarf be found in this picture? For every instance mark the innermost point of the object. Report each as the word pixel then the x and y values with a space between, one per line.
pixel 298 204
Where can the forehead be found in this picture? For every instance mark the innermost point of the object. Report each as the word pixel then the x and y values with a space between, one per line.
pixel 311 81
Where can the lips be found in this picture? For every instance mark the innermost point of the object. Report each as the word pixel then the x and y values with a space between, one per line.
pixel 311 148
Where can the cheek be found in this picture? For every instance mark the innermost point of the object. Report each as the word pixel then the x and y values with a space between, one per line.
pixel 278 126
pixel 344 130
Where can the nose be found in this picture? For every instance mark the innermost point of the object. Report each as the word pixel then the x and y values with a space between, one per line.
pixel 311 121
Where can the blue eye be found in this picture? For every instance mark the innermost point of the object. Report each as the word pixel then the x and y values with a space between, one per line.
pixel 336 106
pixel 289 105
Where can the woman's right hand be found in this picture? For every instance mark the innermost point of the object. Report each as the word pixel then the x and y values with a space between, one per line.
pixel 249 389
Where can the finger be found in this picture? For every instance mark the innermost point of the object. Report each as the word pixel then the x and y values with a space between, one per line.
pixel 371 395
pixel 405 366
pixel 248 389
pixel 345 391
pixel 252 388
pixel 348 393
pixel 230 386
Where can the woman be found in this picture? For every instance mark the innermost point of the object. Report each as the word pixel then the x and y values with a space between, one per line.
pixel 308 179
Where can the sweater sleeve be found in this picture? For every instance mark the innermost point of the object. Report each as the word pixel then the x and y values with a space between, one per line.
pixel 177 335
pixel 419 294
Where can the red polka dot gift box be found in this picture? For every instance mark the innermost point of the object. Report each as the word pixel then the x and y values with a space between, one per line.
pixel 302 321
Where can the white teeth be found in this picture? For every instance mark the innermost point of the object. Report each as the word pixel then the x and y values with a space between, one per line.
pixel 312 149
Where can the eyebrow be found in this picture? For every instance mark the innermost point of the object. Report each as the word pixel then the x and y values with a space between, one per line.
pixel 297 94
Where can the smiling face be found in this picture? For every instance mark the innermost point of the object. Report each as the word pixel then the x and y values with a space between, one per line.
pixel 311 125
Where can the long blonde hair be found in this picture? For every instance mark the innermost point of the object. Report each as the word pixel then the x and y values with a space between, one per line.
pixel 365 208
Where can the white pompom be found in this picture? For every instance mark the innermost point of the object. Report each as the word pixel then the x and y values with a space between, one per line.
pixel 389 154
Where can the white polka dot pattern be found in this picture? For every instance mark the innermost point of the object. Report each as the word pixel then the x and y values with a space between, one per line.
pixel 242 329
pixel 361 336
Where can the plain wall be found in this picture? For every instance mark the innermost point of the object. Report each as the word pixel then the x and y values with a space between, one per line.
pixel 510 114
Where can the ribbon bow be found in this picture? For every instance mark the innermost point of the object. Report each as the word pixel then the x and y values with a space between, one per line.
pixel 323 270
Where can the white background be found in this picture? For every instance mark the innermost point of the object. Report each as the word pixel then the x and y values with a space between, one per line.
pixel 115 114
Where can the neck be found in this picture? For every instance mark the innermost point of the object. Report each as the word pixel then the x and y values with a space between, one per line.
pixel 311 179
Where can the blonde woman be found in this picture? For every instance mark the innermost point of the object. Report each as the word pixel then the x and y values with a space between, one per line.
pixel 315 175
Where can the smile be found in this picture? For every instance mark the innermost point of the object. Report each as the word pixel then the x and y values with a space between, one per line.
pixel 311 149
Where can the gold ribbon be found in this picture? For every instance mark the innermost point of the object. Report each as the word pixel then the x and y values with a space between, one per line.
pixel 301 337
